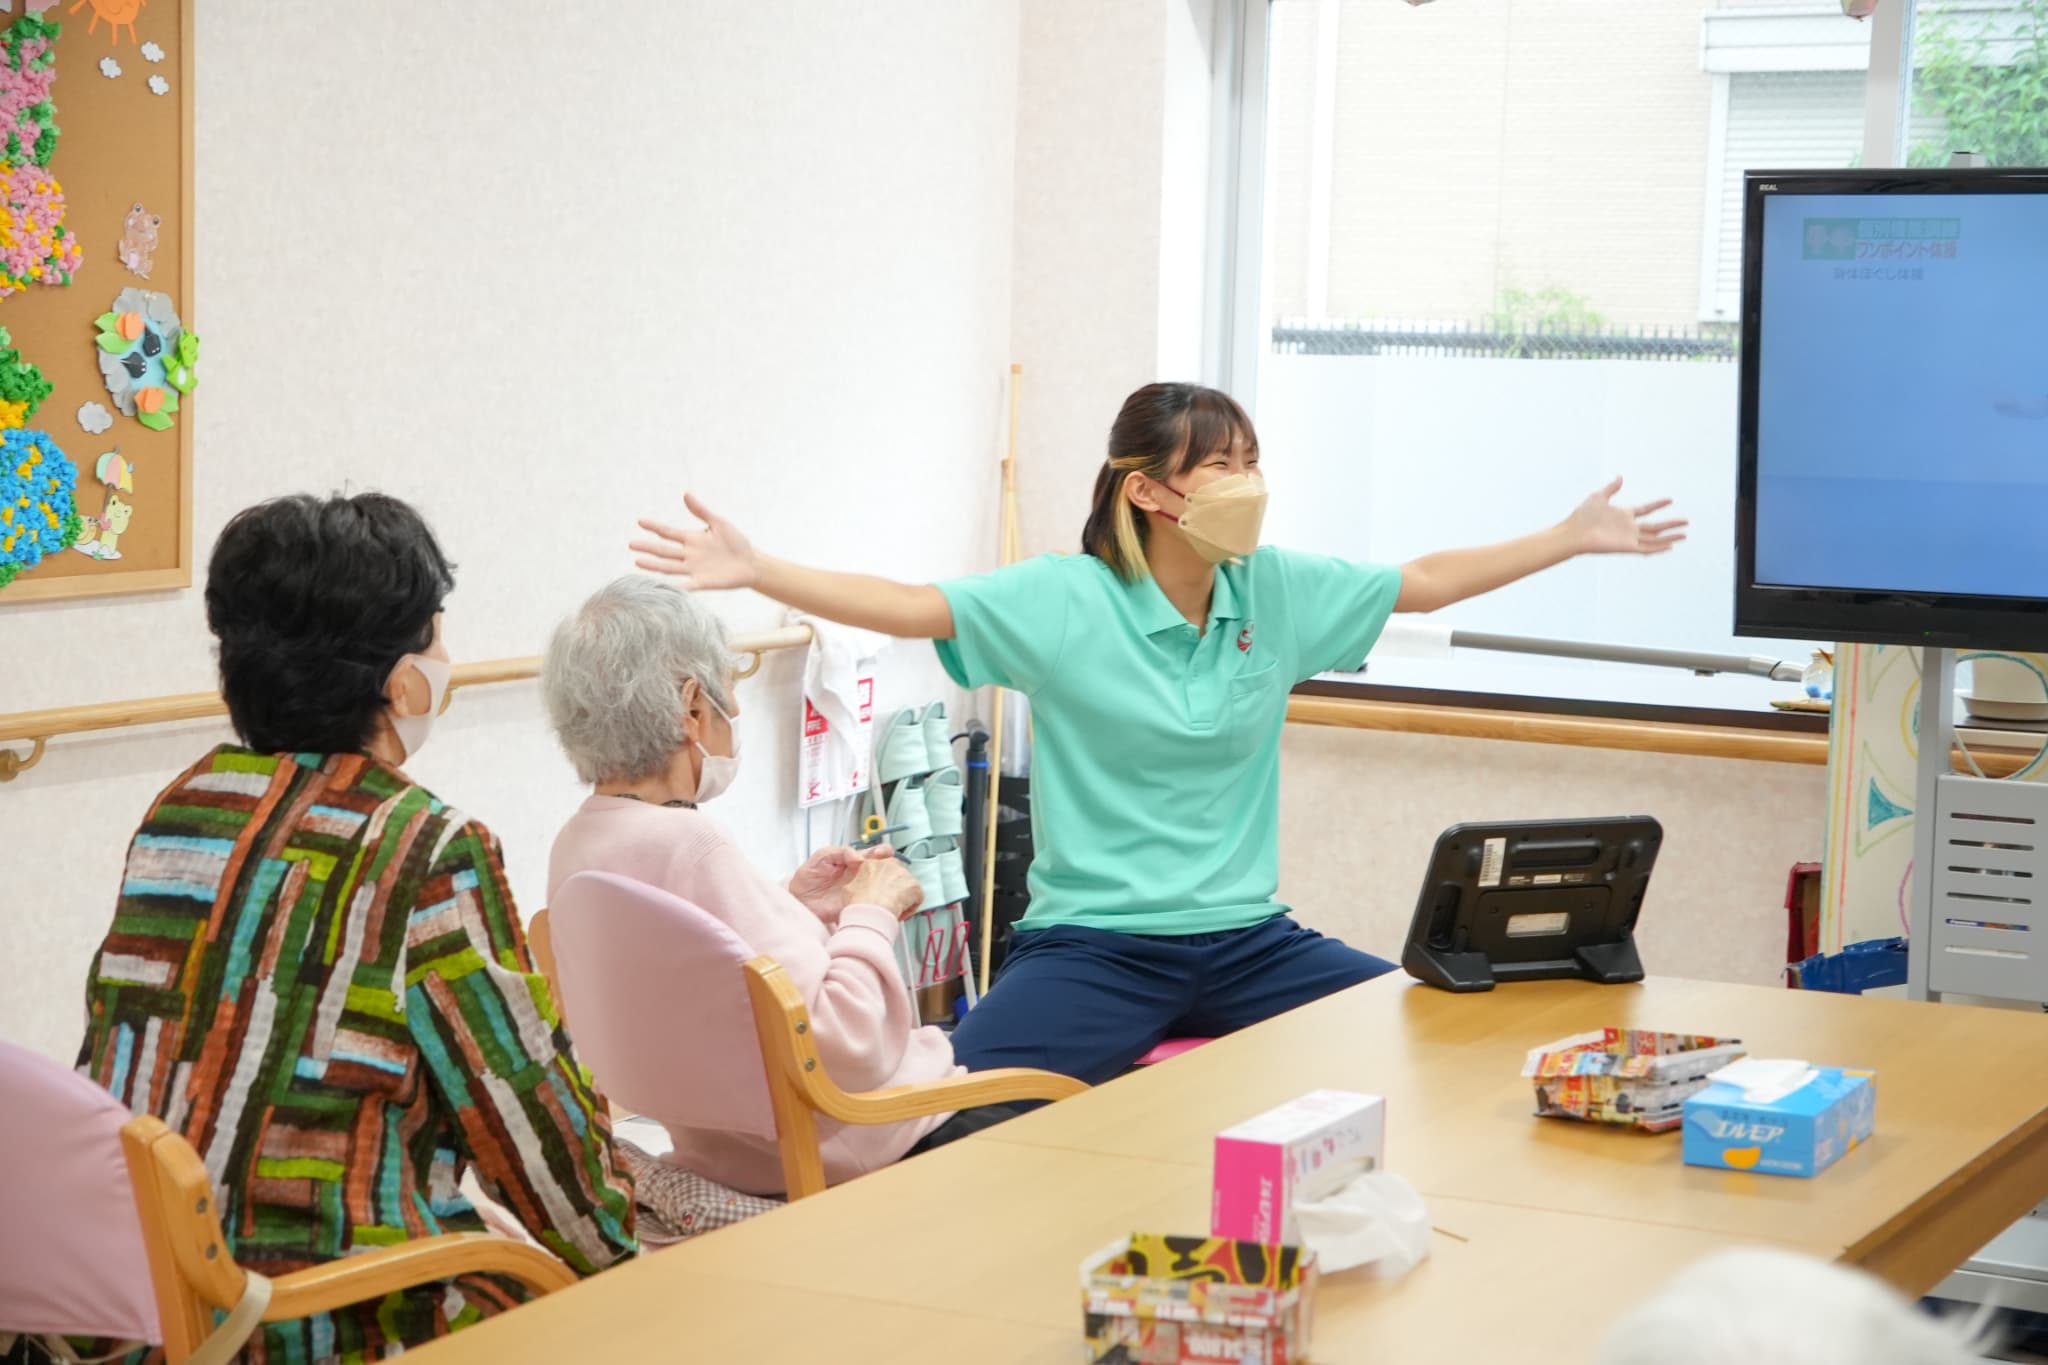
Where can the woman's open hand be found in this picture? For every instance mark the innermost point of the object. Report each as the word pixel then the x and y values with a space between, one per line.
pixel 717 556
pixel 1601 526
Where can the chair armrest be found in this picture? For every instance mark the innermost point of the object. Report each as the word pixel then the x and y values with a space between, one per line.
pixel 941 1097
pixel 782 1022
pixel 357 1279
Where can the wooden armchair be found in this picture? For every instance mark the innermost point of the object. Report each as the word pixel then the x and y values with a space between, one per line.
pixel 193 1275
pixel 540 941
pixel 799 1088
pixel 657 984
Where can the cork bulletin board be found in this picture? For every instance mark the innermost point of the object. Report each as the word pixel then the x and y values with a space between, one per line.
pixel 100 372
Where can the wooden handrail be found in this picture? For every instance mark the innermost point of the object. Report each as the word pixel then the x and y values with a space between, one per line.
pixel 1535 727
pixel 1596 732
pixel 39 727
pixel 1708 741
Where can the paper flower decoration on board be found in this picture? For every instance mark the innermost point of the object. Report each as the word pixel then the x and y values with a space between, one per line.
pixel 28 68
pixel 119 14
pixel 94 418
pixel 22 386
pixel 152 53
pixel 146 356
pixel 37 515
pixel 110 68
pixel 35 246
pixel 159 86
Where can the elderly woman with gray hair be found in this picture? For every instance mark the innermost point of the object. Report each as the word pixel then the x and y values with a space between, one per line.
pixel 638 685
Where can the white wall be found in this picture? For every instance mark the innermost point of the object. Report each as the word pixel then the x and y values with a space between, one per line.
pixel 548 268
pixel 1186 136
pixel 1360 812
pixel 1091 94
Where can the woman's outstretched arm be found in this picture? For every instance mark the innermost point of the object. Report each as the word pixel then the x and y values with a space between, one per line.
pixel 719 556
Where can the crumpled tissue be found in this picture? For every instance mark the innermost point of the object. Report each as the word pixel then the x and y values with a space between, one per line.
pixel 1374 1219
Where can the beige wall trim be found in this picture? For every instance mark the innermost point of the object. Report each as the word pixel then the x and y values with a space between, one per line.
pixel 1530 727
pixel 1594 732
pixel 38 727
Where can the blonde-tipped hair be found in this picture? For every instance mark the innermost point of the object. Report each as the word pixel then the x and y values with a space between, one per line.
pixel 1124 550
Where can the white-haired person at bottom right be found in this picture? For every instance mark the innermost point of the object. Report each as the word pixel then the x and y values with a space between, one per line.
pixel 1778 1308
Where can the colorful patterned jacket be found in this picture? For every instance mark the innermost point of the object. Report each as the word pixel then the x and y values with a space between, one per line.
pixel 316 974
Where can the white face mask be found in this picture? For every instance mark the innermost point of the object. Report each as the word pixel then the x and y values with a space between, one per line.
pixel 719 769
pixel 412 730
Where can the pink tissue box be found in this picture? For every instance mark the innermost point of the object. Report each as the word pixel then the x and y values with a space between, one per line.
pixel 1301 1150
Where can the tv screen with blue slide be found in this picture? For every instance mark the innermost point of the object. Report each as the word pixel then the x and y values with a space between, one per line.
pixel 1894 425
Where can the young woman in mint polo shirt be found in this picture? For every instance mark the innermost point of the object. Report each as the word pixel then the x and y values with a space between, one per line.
pixel 1158 662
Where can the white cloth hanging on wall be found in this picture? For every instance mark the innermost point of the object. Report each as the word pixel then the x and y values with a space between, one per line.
pixel 834 741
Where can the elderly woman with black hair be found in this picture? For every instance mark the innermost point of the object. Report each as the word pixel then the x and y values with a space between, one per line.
pixel 316 973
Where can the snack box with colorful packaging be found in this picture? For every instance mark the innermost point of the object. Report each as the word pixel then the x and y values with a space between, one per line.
pixel 1158 1300
pixel 1635 1077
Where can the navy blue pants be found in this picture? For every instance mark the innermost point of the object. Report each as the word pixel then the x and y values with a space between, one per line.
pixel 1089 1002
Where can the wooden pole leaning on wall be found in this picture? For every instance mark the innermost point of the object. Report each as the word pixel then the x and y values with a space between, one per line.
pixel 1007 542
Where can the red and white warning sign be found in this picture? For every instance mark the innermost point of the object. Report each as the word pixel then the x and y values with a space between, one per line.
pixel 832 761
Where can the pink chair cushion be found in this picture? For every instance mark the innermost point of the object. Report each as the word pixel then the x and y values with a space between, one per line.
pixel 658 1006
pixel 72 1261
pixel 1170 1049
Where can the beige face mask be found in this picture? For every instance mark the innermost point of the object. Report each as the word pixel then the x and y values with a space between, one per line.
pixel 1221 519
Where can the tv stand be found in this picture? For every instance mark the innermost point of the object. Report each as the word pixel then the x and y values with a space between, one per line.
pixel 1978 926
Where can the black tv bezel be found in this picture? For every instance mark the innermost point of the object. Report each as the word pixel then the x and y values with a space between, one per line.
pixel 1774 611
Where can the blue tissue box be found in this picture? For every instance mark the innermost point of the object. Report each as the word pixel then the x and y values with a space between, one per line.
pixel 1800 1133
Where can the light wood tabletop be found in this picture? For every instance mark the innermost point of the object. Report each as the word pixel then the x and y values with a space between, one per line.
pixel 1044 1210
pixel 1961 1148
pixel 990 1238
pixel 973 1251
pixel 647 1311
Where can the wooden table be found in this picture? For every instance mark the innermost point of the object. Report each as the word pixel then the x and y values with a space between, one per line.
pixel 1961 1148
pixel 972 1252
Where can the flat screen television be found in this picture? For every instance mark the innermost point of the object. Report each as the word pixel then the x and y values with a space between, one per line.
pixel 1893 482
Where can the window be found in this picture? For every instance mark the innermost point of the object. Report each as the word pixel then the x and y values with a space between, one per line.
pixel 1498 253
pixel 1980 82
pixel 1786 120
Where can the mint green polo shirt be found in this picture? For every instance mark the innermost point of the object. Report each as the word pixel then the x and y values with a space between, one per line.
pixel 1155 774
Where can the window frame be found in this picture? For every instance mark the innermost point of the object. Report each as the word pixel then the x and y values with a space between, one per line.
pixel 1234 305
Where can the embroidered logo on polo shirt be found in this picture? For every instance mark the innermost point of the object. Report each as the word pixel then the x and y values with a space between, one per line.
pixel 1244 639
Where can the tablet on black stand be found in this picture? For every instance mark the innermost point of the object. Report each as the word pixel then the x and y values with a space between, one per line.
pixel 1533 901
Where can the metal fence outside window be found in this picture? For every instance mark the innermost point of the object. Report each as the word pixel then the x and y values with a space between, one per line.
pixel 1708 342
